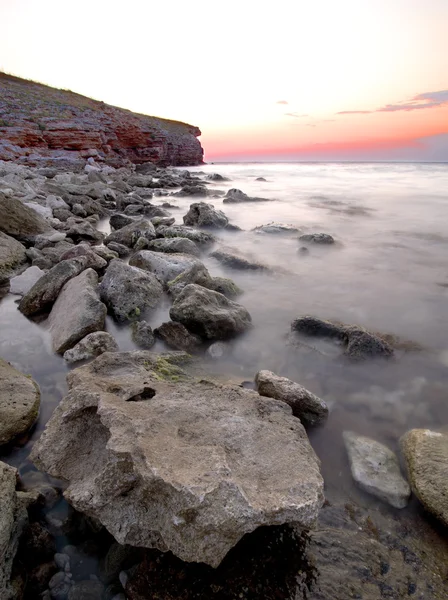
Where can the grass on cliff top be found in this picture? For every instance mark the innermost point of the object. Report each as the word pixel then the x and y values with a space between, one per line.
pixel 28 92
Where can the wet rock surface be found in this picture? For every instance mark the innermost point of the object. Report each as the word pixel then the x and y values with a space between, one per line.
pixel 91 346
pixel 202 214
pixel 180 432
pixel 165 267
pixel 235 196
pixel 176 336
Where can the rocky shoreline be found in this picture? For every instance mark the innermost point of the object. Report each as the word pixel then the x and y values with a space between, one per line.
pixel 179 484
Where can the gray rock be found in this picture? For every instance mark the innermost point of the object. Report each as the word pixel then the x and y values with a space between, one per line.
pixel 142 335
pixel 358 343
pixel 216 177
pixel 202 238
pixel 19 402
pixel 22 284
pixel 128 291
pixel 202 214
pixel 317 238
pixel 45 240
pixel 209 314
pixel 308 407
pixel 46 289
pixel 235 196
pixel 176 336
pixel 192 190
pixel 79 210
pixel 224 286
pixel 199 274
pixel 62 561
pixel 426 456
pixel 165 267
pixel 276 228
pixel 91 346
pixel 12 255
pixel 129 234
pixel 106 253
pixel 77 312
pixel 20 221
pixel 118 221
pixel 13 518
pixel 93 260
pixel 83 231
pixel 376 470
pixel 188 467
pixel 120 249
pixel 234 261
pixel 165 221
pixel 174 245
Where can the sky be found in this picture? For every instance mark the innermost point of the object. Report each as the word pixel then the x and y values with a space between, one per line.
pixel 278 80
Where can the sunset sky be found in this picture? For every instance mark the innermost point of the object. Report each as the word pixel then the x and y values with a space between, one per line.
pixel 283 80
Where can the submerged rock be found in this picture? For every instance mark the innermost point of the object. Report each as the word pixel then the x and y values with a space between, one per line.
pixel 359 344
pixel 202 214
pixel 189 468
pixel 203 238
pixel 91 346
pixel 142 335
pixel 234 195
pixel 310 409
pixel 317 238
pixel 176 336
pixel 128 291
pixel 165 267
pixel 376 470
pixel 234 261
pixel 426 456
pixel 12 255
pixel 77 312
pixel 276 228
pixel 13 518
pixel 209 314
pixel 174 245
pixel 19 403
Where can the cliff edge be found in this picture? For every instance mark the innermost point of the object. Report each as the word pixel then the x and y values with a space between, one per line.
pixel 44 126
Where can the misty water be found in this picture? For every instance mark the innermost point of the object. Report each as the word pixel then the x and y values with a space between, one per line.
pixel 387 272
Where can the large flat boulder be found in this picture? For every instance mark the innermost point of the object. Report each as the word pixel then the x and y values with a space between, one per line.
pixel 164 461
pixel 128 291
pixel 20 221
pixel 77 312
pixel 19 402
pixel 12 255
pixel 209 314
pixel 426 456
pixel 13 518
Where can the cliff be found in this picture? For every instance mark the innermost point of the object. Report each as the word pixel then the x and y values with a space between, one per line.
pixel 40 125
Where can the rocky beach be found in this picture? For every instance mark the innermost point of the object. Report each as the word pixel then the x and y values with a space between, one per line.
pixel 211 383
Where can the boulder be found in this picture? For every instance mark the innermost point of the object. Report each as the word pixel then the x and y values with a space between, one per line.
pixel 19 402
pixel 317 238
pixel 192 190
pixel 202 238
pixel 276 228
pixel 176 336
pixel 376 469
pixel 216 177
pixel 46 289
pixel 129 234
pixel 93 260
pixel 121 249
pixel 91 346
pixel 174 246
pixel 359 344
pixel 202 214
pixel 426 456
pixel 189 467
pixel 128 291
pixel 21 284
pixel 77 312
pixel 165 267
pixel 164 221
pixel 12 255
pixel 199 274
pixel 209 314
pixel 310 409
pixel 20 221
pixel 234 261
pixel 83 231
pixel 118 221
pixel 13 518
pixel 235 196
pixel 142 335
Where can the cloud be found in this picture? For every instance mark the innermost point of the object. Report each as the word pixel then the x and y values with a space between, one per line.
pixel 282 102
pixel 295 115
pixel 419 102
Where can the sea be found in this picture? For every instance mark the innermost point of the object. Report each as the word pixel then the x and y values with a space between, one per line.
pixel 387 271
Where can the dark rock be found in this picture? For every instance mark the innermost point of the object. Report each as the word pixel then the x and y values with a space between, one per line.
pixel 19 221
pixel 118 221
pixel 12 255
pixel 216 177
pixel 202 238
pixel 93 260
pixel 233 261
pixel 129 234
pixel 317 238
pixel 192 190
pixel 234 196
pixel 91 346
pixel 174 246
pixel 176 336
pixel 83 231
pixel 142 335
pixel 86 590
pixel 120 249
pixel 202 214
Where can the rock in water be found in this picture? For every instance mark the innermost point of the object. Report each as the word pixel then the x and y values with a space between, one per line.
pixel 317 238
pixel 13 518
pixel 128 291
pixel 310 409
pixel 165 267
pixel 209 314
pixel 174 246
pixel 77 312
pixel 22 284
pixel 187 467
pixel 235 196
pixel 142 335
pixel 91 346
pixel 12 255
pixel 426 455
pixel 376 470
pixel 19 402
pixel 202 214
pixel 176 336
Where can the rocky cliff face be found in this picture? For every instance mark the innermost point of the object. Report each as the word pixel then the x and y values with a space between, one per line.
pixel 40 125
